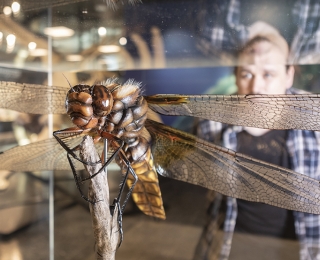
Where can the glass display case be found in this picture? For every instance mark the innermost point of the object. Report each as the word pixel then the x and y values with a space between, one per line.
pixel 172 47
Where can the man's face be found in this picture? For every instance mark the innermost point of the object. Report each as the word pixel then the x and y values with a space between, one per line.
pixel 263 71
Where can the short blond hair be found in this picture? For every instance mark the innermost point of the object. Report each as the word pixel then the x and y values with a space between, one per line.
pixel 275 39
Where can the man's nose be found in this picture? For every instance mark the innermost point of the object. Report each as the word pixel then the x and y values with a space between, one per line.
pixel 257 85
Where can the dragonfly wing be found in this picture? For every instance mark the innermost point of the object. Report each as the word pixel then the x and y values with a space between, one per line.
pixel 31 98
pixel 42 155
pixel 184 157
pixel 262 111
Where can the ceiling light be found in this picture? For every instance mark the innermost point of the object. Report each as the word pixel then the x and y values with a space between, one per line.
pixel 7 10
pixel 11 40
pixel 108 48
pixel 23 54
pixel 38 52
pixel 102 31
pixel 74 57
pixel 15 7
pixel 32 45
pixel 59 31
pixel 123 40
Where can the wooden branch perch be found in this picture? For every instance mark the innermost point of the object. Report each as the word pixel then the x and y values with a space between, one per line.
pixel 105 227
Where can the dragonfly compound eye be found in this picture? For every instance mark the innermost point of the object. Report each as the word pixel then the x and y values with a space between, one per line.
pixel 102 100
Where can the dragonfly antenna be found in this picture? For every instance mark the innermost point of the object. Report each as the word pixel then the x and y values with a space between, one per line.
pixel 67 80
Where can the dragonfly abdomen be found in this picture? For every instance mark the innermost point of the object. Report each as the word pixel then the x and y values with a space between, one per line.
pixel 146 193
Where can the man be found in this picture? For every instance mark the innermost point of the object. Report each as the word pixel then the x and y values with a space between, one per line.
pixel 223 25
pixel 262 69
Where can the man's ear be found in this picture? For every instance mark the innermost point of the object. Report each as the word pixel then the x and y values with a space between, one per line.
pixel 290 77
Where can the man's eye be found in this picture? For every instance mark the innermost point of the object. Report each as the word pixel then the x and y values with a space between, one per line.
pixel 246 75
pixel 268 75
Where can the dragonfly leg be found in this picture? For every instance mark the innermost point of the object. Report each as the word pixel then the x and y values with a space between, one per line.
pixel 78 180
pixel 119 218
pixel 132 186
pixel 116 201
pixel 69 132
pixel 130 170
pixel 110 159
pixel 123 183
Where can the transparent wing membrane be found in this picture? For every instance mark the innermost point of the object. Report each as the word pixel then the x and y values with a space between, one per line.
pixel 261 111
pixel 32 98
pixel 42 155
pixel 183 157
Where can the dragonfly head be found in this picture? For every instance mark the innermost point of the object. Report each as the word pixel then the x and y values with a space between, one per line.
pixel 88 105
pixel 79 107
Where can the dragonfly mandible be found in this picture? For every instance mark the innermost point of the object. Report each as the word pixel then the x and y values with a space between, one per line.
pixel 180 155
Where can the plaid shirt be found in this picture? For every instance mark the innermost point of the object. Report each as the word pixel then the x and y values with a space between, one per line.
pixel 304 150
pixel 222 34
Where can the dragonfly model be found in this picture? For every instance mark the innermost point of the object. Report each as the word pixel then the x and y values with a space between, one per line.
pixel 152 148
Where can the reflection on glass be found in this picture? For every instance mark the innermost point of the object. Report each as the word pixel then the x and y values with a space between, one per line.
pixel 10 250
pixel 170 46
